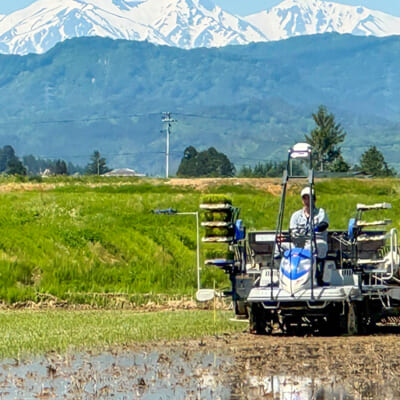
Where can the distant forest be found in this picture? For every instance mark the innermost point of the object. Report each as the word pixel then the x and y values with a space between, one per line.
pixel 11 164
pixel 251 102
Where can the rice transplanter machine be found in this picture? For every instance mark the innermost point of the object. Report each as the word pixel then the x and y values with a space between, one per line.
pixel 273 273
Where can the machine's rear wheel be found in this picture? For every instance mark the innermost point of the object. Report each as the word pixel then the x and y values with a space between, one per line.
pixel 334 323
pixel 257 319
pixel 241 309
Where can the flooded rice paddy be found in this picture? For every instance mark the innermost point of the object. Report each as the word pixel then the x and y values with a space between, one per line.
pixel 240 366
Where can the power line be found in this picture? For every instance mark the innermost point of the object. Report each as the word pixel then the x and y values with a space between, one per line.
pixel 217 118
pixel 69 121
pixel 167 118
pixel 103 154
pixel 125 116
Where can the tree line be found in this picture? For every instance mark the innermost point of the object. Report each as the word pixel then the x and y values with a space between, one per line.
pixel 10 164
pixel 325 139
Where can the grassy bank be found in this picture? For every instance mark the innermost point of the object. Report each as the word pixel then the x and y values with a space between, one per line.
pixel 84 239
pixel 27 333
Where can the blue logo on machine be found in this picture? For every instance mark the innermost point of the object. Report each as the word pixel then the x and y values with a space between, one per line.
pixel 296 263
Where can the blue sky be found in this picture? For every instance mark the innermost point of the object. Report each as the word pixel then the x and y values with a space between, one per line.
pixel 242 7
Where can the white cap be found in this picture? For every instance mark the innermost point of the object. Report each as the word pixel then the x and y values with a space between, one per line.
pixel 306 191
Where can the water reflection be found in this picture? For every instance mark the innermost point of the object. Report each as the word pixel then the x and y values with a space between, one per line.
pixel 169 374
pixel 153 375
pixel 293 388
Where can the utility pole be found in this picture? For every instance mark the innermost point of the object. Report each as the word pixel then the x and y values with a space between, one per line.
pixel 167 120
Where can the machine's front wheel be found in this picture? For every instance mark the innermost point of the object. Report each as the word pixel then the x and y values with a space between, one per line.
pixel 352 319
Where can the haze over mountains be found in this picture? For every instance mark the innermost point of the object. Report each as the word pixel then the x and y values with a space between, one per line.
pixel 181 23
pixel 251 102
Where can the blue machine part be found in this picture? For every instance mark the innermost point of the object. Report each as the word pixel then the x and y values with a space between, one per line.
pixel 239 230
pixel 352 225
pixel 168 211
pixel 296 263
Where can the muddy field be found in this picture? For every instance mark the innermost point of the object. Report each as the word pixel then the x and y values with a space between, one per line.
pixel 241 366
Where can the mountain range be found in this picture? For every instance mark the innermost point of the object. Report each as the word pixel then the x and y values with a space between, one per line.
pixel 185 24
pixel 252 102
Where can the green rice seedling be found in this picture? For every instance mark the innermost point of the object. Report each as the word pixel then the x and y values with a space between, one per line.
pixel 215 216
pixel 29 333
pixel 216 199
pixel 213 251
pixel 211 232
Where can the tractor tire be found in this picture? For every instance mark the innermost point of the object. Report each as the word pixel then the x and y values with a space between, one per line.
pixel 352 319
pixel 241 309
pixel 257 320
pixel 333 323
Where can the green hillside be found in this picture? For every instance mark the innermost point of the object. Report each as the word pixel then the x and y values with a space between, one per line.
pixel 85 240
pixel 252 102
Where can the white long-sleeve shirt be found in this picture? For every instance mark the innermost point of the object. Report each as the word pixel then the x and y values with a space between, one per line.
pixel 300 223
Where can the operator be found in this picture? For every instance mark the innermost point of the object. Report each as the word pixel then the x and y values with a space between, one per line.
pixel 300 229
pixel 300 224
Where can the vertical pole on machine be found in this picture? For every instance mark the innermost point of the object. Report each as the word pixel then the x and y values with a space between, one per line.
pixel 278 232
pixel 198 250
pixel 313 243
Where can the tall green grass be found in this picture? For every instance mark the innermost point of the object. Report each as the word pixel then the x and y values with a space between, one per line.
pixel 74 238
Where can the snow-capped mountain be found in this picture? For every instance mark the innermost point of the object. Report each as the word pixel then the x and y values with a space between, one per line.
pixel 181 23
pixel 307 17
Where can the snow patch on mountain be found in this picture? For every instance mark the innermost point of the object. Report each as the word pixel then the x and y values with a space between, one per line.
pixel 182 23
pixel 308 17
